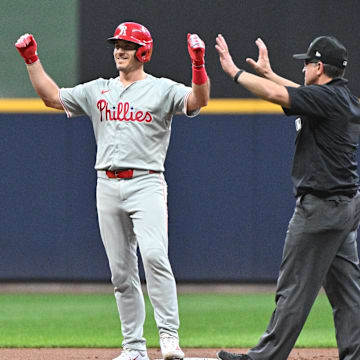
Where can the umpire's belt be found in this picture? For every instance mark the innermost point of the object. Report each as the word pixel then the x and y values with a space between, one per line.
pixel 125 174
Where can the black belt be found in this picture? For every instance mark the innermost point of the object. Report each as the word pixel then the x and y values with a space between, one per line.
pixel 324 194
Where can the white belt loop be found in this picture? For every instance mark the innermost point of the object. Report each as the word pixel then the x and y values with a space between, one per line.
pixel 102 174
pixel 137 173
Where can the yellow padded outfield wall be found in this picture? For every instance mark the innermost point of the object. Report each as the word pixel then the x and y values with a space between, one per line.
pixel 215 106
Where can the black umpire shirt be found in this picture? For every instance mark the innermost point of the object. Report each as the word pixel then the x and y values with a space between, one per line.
pixel 328 130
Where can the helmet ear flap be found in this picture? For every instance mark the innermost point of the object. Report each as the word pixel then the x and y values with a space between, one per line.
pixel 143 53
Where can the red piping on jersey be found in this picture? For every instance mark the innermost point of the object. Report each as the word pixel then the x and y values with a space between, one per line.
pixel 68 113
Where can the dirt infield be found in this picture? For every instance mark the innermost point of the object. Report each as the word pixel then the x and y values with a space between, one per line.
pixel 108 354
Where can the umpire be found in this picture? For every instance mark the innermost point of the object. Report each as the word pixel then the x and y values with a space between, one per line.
pixel 320 246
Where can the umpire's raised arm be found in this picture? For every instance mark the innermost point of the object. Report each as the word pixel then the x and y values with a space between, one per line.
pixel 263 68
pixel 263 88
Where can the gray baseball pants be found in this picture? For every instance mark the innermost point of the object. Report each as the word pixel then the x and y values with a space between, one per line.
pixel 320 249
pixel 133 213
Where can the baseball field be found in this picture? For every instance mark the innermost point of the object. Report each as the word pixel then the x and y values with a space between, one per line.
pixel 86 326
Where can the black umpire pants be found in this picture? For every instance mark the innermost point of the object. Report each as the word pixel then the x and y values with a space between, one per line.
pixel 320 250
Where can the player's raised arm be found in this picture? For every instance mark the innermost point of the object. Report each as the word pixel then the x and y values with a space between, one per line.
pixel 45 87
pixel 200 94
pixel 263 68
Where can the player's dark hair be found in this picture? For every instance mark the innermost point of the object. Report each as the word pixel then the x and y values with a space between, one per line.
pixel 333 71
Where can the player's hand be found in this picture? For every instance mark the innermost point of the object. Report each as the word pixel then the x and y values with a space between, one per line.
pixel 226 60
pixel 262 65
pixel 196 48
pixel 27 47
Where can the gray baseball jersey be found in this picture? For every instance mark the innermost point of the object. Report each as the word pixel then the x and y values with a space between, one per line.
pixel 132 124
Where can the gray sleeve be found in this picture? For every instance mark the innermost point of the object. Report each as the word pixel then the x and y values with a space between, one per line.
pixel 74 100
pixel 180 94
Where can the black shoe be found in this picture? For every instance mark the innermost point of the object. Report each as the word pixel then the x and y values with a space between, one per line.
pixel 225 355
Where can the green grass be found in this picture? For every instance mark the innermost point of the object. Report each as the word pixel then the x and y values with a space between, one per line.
pixel 213 320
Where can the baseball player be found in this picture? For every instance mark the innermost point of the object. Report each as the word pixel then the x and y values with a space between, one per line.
pixel 320 246
pixel 131 116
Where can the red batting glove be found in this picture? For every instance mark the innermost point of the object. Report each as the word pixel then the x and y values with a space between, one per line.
pixel 27 47
pixel 196 48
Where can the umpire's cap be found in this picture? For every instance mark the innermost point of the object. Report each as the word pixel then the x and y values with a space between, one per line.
pixel 327 49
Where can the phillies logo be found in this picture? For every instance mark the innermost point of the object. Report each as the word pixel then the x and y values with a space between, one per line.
pixel 122 30
pixel 123 112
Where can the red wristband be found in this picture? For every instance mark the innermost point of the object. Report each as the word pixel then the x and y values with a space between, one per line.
pixel 31 59
pixel 199 75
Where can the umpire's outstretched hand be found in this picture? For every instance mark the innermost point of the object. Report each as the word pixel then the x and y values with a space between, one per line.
pixel 226 60
pixel 262 65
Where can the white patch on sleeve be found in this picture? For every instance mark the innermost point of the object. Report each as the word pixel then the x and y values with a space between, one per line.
pixel 298 124
pixel 192 113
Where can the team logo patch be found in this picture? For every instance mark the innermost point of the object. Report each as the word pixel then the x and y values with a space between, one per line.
pixel 298 124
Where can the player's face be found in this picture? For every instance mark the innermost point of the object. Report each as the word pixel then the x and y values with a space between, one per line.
pixel 311 72
pixel 124 56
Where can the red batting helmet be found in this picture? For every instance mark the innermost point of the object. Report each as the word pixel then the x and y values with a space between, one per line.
pixel 138 34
